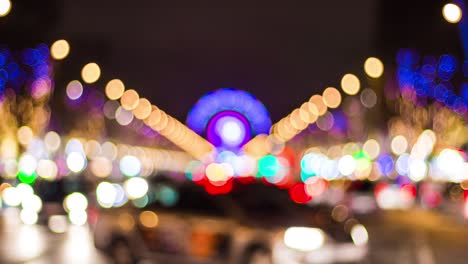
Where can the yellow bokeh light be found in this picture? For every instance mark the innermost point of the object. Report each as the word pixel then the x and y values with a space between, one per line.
pixel 372 148
pixel 5 7
pixel 115 89
pixel 25 135
pixel 350 84
pixel 373 67
pixel 149 219
pixel 452 13
pixel 129 99
pixel 153 118
pixel 317 100
pixel 331 97
pixel 90 72
pixel 143 109
pixel 296 120
pixel 60 49
pixel 399 145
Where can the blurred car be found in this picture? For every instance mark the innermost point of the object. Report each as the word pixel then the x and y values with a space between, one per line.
pixel 254 223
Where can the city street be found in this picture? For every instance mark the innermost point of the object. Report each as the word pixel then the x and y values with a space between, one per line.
pixel 415 236
pixel 234 133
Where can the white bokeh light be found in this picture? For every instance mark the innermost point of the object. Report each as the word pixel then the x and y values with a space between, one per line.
pixel 452 13
pixel 231 130
pixel 130 166
pixel 136 188
pixel 76 162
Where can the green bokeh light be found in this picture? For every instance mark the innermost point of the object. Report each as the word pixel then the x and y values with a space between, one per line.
pixel 268 166
pixel 27 178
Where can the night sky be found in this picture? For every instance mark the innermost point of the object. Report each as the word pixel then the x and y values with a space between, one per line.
pixel 281 51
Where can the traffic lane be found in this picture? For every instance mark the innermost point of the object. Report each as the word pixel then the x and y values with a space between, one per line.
pixel 417 236
pixel 35 244
pixel 414 236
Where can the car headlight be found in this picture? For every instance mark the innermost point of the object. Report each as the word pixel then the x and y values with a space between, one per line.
pixel 304 238
pixel 359 235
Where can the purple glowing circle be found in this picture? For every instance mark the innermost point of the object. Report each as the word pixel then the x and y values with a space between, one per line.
pixel 231 130
pixel 242 102
pixel 228 129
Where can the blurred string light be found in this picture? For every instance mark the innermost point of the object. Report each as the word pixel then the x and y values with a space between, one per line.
pixel 133 106
pixel 5 7
pixel 60 49
pixel 90 72
pixel 115 89
pixel 129 100
pixel 350 84
pixel 373 67
pixel 331 97
pixel 452 13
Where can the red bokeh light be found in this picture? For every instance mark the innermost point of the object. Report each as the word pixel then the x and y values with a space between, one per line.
pixel 298 194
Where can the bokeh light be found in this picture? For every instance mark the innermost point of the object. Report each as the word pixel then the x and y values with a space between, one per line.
pixel 74 90
pixel 359 235
pixel 60 49
pixel 368 98
pixel 452 13
pixel 75 202
pixel 130 166
pixel 373 67
pixel 11 196
pixel 399 145
pixel 350 84
pixel 346 165
pixel 47 169
pixel 268 166
pixel 32 203
pixel 27 164
pixel 28 217
pixel 136 187
pixel 52 141
pixel 372 148
pixel 129 99
pixel 101 167
pixel 25 135
pixel 90 72
pixel 149 219
pixel 106 194
pixel 143 109
pixel 318 102
pixel 5 7
pixel 76 162
pixel 115 89
pixel 78 217
pixel 331 97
